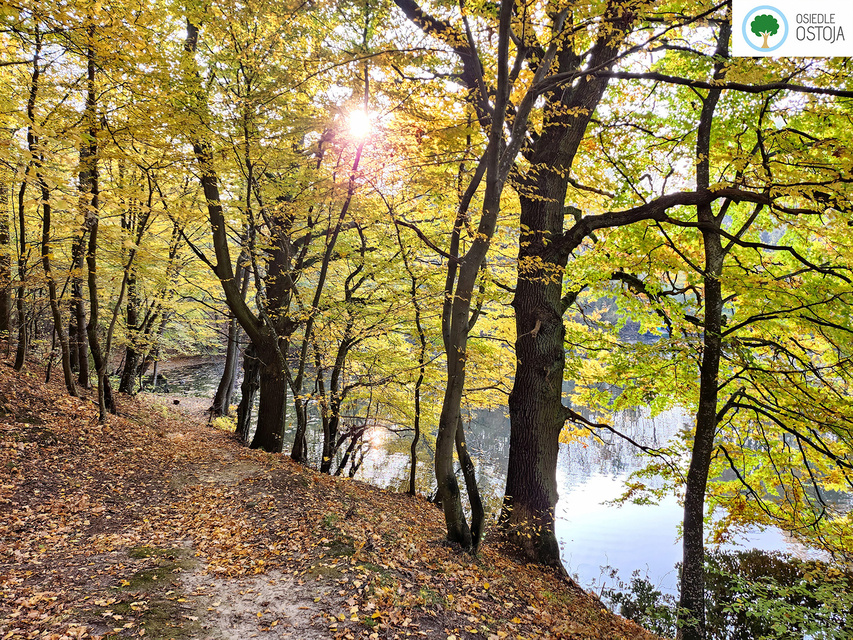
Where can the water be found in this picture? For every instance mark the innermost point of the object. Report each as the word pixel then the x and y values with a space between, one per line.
pixel 593 535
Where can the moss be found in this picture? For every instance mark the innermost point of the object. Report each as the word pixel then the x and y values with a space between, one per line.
pixel 162 616
pixel 375 568
pixel 164 620
pixel 157 552
pixel 169 561
pixel 339 549
pixel 322 570
pixel 330 520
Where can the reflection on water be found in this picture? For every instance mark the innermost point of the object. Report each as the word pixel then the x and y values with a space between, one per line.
pixel 590 473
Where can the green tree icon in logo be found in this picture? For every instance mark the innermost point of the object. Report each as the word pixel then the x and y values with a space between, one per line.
pixel 764 25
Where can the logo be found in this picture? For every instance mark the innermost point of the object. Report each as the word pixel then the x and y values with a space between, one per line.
pixel 765 29
pixel 792 28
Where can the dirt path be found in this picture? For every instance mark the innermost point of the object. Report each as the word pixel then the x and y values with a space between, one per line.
pixel 159 526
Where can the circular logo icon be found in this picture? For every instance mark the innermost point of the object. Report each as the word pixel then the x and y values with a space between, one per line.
pixel 765 28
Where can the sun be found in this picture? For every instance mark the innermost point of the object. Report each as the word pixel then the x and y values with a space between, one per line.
pixel 359 123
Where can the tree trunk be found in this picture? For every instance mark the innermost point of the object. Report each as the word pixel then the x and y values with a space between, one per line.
pixel 106 402
pixel 248 389
pixel 131 355
pixel 23 334
pixel 130 370
pixel 78 342
pixel 691 619
pixel 535 402
pixel 58 328
pixel 478 513
pixel 355 436
pixel 90 188
pixel 413 449
pixel 155 373
pixel 535 405
pixel 692 601
pixel 5 263
pixel 36 162
pixel 271 410
pixel 22 347
pixel 222 398
pixel 225 390
pixel 268 435
pixel 299 449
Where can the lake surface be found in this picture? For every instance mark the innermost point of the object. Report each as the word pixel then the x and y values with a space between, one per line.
pixel 593 535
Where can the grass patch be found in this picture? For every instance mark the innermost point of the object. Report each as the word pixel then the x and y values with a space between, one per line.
pixel 338 549
pixel 330 520
pixel 432 598
pixel 322 570
pixel 169 561
pixel 165 620
pixel 157 552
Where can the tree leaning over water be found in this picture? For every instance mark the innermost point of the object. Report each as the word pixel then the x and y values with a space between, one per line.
pixel 753 294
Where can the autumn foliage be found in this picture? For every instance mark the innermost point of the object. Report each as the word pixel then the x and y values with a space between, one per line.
pixel 157 525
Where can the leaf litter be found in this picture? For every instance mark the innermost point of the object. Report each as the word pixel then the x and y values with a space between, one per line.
pixel 156 525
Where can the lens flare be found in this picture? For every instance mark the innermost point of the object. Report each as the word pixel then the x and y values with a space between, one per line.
pixel 359 123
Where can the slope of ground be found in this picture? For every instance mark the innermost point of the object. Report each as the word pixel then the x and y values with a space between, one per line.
pixel 156 525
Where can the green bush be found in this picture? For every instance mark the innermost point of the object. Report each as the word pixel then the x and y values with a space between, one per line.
pixel 751 595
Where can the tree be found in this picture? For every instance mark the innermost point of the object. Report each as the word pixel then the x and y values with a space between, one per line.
pixel 5 260
pixel 741 306
pixel 764 25
pixel 496 163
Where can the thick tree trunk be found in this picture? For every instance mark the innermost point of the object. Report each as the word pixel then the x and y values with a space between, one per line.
pixel 271 409
pixel 535 402
pixel 130 371
pixel 268 435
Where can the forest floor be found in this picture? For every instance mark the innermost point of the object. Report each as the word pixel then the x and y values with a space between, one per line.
pixel 157 525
